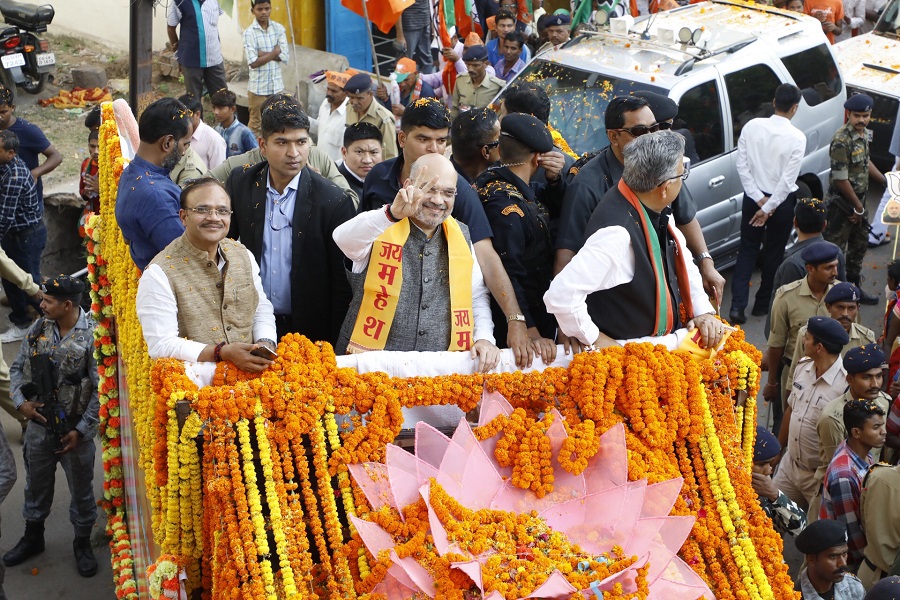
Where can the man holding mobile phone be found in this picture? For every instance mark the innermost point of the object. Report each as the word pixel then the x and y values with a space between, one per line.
pixel 201 299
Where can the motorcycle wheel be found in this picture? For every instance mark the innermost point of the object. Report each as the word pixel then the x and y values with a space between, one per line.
pixel 7 81
pixel 35 86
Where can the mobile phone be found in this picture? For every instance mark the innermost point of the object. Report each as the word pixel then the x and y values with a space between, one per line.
pixel 264 352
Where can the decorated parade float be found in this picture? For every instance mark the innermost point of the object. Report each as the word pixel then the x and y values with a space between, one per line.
pixel 616 474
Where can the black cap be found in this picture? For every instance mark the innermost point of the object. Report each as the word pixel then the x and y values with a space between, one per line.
pixel 663 107
pixel 820 253
pixel 558 20
pixel 477 52
pixel 827 330
pixel 863 358
pixel 767 445
pixel 527 129
pixel 358 84
pixel 886 589
pixel 859 103
pixel 821 535
pixel 63 285
pixel 842 292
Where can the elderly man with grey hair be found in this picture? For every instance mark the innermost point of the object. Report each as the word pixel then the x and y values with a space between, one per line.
pixel 634 279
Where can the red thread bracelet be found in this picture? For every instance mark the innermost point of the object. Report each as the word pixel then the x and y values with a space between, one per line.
pixel 217 353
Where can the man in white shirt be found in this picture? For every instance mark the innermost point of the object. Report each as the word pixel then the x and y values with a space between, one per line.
pixel 436 301
pixel 201 298
pixel 619 287
pixel 770 152
pixel 205 141
pixel 329 126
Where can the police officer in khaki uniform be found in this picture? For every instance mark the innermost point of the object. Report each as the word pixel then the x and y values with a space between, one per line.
pixel 880 511
pixel 842 304
pixel 794 303
pixel 477 87
pixel 362 106
pixel 820 378
pixel 557 28
pixel 851 168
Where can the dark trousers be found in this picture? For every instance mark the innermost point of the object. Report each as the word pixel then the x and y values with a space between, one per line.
pixel 773 236
pixel 25 248
pixel 196 77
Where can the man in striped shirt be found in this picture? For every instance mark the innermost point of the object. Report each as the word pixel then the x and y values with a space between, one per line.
pixel 265 43
pixel 197 44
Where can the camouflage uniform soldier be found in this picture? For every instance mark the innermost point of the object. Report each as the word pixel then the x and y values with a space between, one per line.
pixel 57 352
pixel 848 221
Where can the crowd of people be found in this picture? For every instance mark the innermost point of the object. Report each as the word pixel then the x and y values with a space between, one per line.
pixel 412 214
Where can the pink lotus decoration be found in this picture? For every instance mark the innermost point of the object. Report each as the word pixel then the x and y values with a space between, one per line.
pixel 597 510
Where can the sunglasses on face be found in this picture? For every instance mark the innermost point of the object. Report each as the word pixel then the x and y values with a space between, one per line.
pixel 639 130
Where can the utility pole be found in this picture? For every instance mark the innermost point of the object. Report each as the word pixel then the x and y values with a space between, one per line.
pixel 140 58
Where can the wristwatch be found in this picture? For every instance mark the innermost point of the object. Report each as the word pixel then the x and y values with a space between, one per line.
pixel 702 256
pixel 515 317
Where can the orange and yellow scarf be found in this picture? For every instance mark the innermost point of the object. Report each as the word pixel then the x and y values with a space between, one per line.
pixel 384 280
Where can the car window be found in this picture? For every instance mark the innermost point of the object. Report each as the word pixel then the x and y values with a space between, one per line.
pixel 750 94
pixel 700 121
pixel 578 101
pixel 889 23
pixel 815 74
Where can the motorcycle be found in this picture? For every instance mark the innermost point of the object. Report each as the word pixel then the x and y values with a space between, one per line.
pixel 26 59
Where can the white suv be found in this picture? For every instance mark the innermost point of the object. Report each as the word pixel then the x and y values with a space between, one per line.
pixel 871 64
pixel 725 75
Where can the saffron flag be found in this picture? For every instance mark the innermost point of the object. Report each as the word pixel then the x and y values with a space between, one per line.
pixel 383 13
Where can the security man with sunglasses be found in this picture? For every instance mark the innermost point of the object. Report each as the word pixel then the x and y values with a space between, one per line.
pixel 626 119
pixel 201 299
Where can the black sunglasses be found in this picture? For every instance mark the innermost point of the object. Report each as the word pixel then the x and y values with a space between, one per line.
pixel 639 130
pixel 493 144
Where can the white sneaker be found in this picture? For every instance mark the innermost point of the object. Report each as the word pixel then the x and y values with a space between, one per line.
pixel 13 334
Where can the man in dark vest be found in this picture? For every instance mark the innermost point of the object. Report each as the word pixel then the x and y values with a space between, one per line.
pixel 634 277
pixel 285 213
pixel 520 218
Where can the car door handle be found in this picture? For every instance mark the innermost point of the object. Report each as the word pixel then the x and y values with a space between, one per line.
pixel 716 181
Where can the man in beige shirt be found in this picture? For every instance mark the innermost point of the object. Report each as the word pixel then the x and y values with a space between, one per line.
pixel 477 87
pixel 880 511
pixel 364 107
pixel 22 280
pixel 820 377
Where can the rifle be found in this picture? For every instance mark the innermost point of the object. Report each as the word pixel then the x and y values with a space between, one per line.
pixel 43 386
pixel 864 223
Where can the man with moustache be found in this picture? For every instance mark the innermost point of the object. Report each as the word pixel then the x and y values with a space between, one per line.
pixel 364 107
pixel 201 299
pixel 147 203
pixel 329 127
pixel 824 573
pixel 285 214
pixel 416 281
pixel 851 168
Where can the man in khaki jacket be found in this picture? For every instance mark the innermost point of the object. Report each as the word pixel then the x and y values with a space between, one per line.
pixel 201 298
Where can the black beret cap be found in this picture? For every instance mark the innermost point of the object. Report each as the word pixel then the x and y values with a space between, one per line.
pixel 558 20
pixel 842 292
pixel 819 253
pixel 63 285
pixel 527 129
pixel 886 589
pixel 863 358
pixel 477 52
pixel 859 103
pixel 767 445
pixel 827 330
pixel 822 535
pixel 358 84
pixel 663 107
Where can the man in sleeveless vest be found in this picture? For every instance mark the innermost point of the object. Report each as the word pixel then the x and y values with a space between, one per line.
pixel 416 282
pixel 634 278
pixel 64 413
pixel 201 299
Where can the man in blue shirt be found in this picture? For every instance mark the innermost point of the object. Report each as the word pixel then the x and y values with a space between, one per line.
pixel 198 47
pixel 32 141
pixel 148 201
pixel 22 231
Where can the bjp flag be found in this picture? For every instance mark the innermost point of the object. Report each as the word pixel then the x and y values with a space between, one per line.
pixel 383 13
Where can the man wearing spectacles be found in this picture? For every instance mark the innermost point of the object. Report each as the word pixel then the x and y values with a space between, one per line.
pixel 634 279
pixel 285 214
pixel 201 299
pixel 769 156
pixel 361 151
pixel 416 281
pixel 627 118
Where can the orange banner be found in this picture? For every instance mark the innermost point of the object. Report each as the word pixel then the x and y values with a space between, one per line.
pixel 383 13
